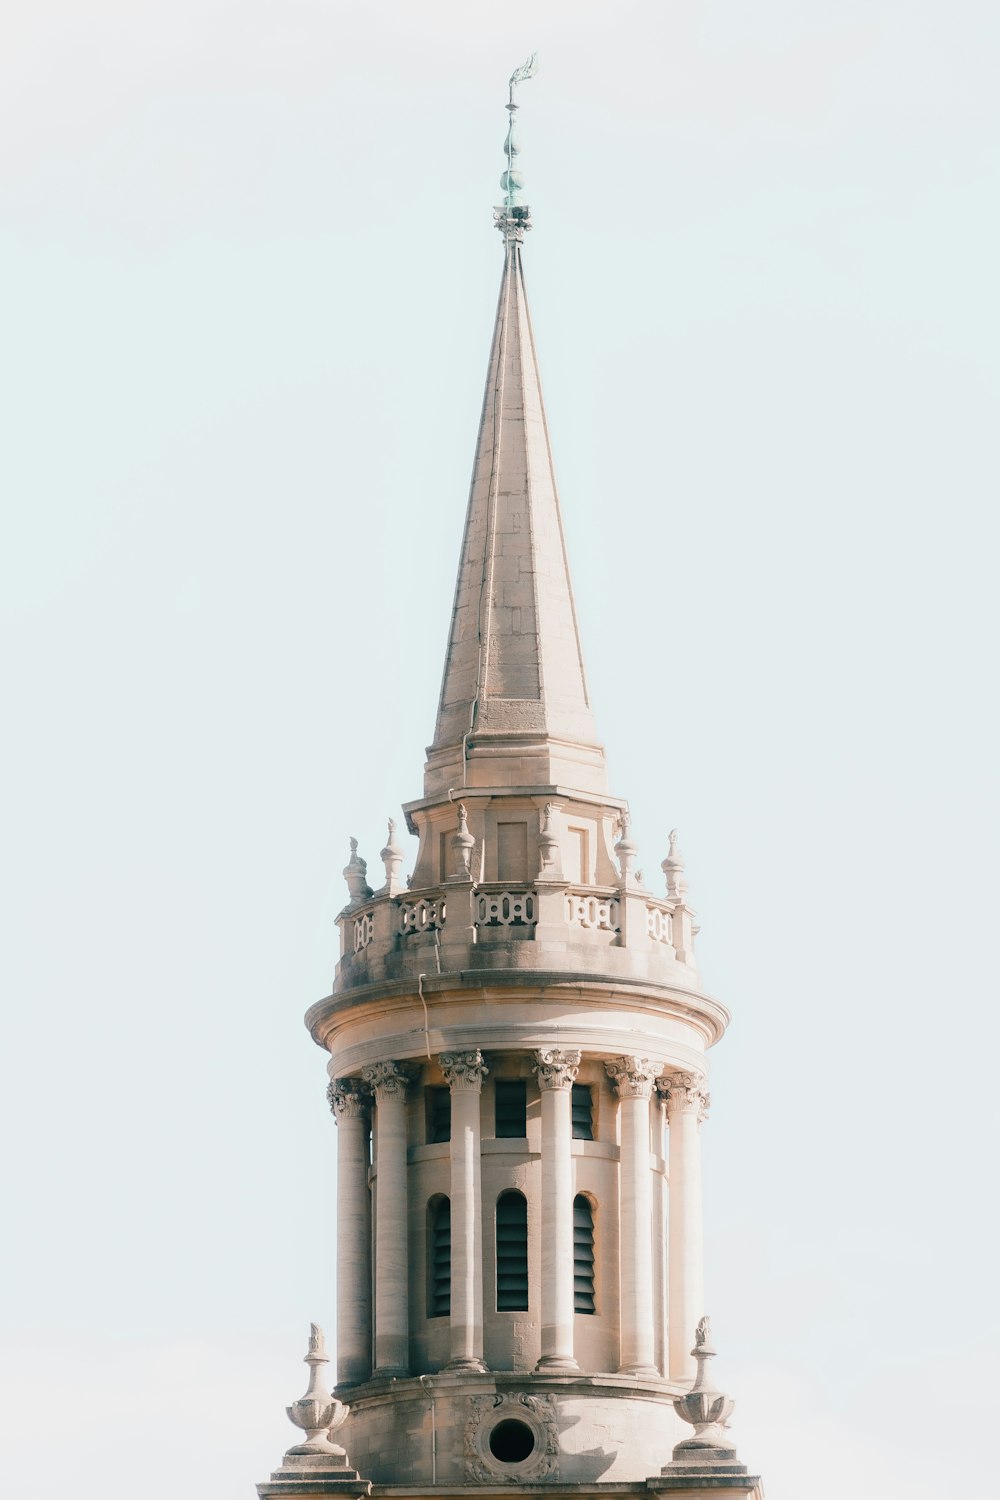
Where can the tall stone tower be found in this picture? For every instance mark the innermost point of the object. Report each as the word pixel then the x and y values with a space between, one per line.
pixel 517 1039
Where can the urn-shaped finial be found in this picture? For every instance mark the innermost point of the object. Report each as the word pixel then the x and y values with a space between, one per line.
pixel 673 869
pixel 462 845
pixel 549 851
pixel 317 1412
pixel 626 850
pixel 356 875
pixel 392 857
pixel 704 1407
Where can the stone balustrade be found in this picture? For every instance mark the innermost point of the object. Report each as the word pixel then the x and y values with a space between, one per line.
pixel 378 933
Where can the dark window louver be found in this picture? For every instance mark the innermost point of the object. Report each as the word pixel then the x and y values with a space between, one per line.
pixel 438 1115
pixel 511 1109
pixel 512 1253
pixel 583 1255
pixel 439 1289
pixel 582 1106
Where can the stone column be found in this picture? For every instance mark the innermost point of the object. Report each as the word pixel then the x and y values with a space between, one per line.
pixel 633 1083
pixel 350 1102
pixel 556 1071
pixel 687 1105
pixel 389 1082
pixel 465 1072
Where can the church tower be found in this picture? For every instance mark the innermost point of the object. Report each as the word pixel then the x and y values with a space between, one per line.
pixel 517 1039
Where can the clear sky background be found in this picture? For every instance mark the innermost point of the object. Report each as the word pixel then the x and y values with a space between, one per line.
pixel 248 277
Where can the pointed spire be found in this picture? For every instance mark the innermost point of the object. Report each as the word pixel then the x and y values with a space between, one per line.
pixel 514 667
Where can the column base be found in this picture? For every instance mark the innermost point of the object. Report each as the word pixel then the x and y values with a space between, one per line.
pixel 391 1372
pixel 551 1364
pixel 466 1366
pixel 647 1372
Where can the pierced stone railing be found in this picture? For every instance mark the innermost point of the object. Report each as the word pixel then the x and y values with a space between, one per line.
pixel 659 923
pixel 427 914
pixel 594 913
pixel 505 908
pixel 364 930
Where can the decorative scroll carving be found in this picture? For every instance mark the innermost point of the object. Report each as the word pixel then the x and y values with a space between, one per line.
pixel 388 1080
pixel 464 1071
pixel 555 1068
pixel 537 1413
pixel 632 1077
pixel 685 1093
pixel 349 1098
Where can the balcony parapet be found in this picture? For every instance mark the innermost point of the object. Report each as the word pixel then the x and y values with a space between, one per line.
pixel 388 935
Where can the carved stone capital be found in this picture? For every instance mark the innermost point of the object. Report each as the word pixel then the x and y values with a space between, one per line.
pixel 350 1099
pixel 555 1068
pixel 388 1080
pixel 632 1077
pixel 685 1093
pixel 464 1071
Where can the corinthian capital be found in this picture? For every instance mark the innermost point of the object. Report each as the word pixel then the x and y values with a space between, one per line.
pixel 349 1098
pixel 556 1069
pixel 685 1094
pixel 388 1080
pixel 632 1077
pixel 464 1071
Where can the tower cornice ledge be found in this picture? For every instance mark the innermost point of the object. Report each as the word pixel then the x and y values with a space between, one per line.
pixel 707 1016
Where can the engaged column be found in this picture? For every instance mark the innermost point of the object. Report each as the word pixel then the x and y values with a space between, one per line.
pixel 556 1072
pixel 465 1072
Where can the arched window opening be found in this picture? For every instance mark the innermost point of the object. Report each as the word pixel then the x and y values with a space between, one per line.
pixel 583 1255
pixel 512 1253
pixel 438 1258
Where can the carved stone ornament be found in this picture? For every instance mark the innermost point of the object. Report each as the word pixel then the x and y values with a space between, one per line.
pixel 625 849
pixel 513 222
pixel 349 1098
pixel 537 1413
pixel 464 1071
pixel 317 1412
pixel 707 1410
pixel 388 1080
pixel 549 851
pixel 684 1093
pixel 462 845
pixel 555 1068
pixel 632 1077
pixel 356 873
pixel 392 857
pixel 673 870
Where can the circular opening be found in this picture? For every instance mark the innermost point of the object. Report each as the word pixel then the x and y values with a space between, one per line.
pixel 511 1442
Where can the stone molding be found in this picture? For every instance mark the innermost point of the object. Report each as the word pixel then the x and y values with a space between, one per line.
pixel 556 1068
pixel 685 1093
pixel 464 1071
pixel 349 1098
pixel 388 1080
pixel 537 1413
pixel 631 1077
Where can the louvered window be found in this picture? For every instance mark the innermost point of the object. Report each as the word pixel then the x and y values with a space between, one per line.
pixel 511 1104
pixel 439 1258
pixel 583 1255
pixel 582 1106
pixel 438 1102
pixel 512 1253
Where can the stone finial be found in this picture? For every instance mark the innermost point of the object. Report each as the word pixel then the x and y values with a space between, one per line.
pixel 626 851
pixel 707 1410
pixel 549 849
pixel 673 869
pixel 556 1068
pixel 392 858
pixel 356 873
pixel 317 1412
pixel 462 845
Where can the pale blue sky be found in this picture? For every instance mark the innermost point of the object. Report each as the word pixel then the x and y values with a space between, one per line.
pixel 248 276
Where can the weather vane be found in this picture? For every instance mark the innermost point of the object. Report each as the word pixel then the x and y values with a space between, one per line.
pixel 514 214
